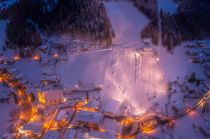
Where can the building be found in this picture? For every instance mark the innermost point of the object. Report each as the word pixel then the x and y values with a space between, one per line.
pixel 51 134
pixel 65 115
pixel 72 134
pixel 178 106
pixel 48 70
pixel 112 125
pixel 93 104
pixel 19 76
pixel 12 71
pixel 50 79
pixel 109 135
pixel 92 119
pixel 32 129
pixel 51 97
pixel 110 106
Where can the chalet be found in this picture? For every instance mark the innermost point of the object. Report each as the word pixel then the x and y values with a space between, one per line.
pixel 108 135
pixel 50 79
pixel 72 134
pixel 19 76
pixel 43 48
pixel 87 118
pixel 196 59
pixel 48 70
pixel 33 128
pixel 65 115
pixel 24 81
pixel 147 41
pixel 93 104
pixel 12 71
pixel 110 106
pixel 112 125
pixel 51 134
pixel 51 97
pixel 193 52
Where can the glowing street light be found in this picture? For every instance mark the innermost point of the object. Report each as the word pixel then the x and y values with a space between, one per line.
pixel 16 58
pixel 36 57
pixel 55 55
pixel 157 59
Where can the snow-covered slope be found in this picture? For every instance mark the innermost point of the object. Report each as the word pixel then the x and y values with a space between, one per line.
pixel 127 21
pixel 177 64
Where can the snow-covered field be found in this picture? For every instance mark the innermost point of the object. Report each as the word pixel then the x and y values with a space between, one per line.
pixel 88 67
pixel 177 64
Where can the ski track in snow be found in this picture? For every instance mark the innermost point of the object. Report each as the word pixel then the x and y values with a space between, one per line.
pixel 127 21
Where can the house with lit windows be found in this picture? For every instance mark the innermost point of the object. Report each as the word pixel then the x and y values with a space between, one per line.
pixel 51 97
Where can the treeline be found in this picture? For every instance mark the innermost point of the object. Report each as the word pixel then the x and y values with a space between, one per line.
pixel 191 22
pixel 29 19
pixel 150 9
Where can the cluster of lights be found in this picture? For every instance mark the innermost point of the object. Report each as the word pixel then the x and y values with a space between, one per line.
pixel 36 57
pixel 16 57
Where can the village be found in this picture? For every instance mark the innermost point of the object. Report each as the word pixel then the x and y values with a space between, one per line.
pixel 52 111
pixel 130 88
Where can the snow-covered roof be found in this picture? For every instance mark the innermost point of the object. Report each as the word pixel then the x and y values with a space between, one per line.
pixel 110 106
pixel 49 70
pixel 108 135
pixel 112 125
pixel 19 76
pixel 35 127
pixel 89 117
pixel 93 104
pixel 64 113
pixel 72 134
pixel 61 115
pixel 12 70
pixel 43 46
pixel 76 95
pixel 52 94
pixel 51 135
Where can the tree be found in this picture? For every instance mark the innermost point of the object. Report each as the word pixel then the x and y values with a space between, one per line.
pixel 15 98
